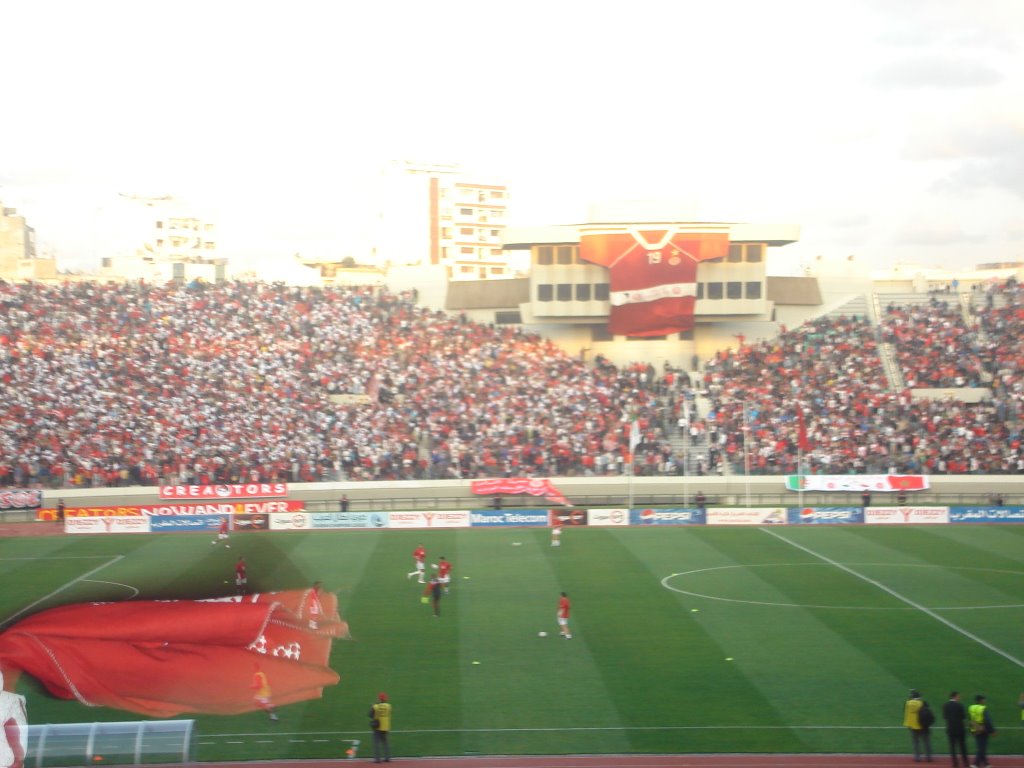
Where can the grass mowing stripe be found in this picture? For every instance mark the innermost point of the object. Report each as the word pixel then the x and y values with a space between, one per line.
pixel 928 611
pixel 44 598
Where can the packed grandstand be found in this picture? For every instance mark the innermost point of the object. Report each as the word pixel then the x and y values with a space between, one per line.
pixel 137 384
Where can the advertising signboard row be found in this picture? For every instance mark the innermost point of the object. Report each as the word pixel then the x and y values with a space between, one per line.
pixel 106 519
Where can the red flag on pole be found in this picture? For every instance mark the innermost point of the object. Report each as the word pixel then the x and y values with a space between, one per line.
pixel 801 440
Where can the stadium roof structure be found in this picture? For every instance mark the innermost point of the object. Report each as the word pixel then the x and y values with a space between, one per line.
pixel 522 238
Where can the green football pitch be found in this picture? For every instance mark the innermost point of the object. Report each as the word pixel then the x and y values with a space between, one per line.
pixel 686 639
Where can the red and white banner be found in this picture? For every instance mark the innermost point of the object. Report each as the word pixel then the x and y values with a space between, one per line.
pixel 746 516
pixel 239 491
pixel 905 515
pixel 607 517
pixel 458 519
pixel 513 486
pixel 160 510
pixel 652 272
pixel 880 483
pixel 20 498
pixel 163 658
pixel 106 525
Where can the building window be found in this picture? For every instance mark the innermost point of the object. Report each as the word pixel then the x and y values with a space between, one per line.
pixel 497 194
pixel 495 251
pixel 583 292
pixel 734 289
pixel 466 230
pixel 686 335
pixel 601 333
pixel 494 233
pixel 700 291
pixel 466 249
pixel 576 256
pixel 509 317
pixel 545 255
pixel 465 211
pixel 545 292
pixel 107 262
pixel 564 292
pixel 159 225
pixel 755 252
pixel 646 338
pixel 754 289
pixel 735 253
pixel 715 291
pixel 565 254
pixel 601 292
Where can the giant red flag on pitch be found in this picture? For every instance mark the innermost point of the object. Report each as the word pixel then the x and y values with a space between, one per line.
pixel 652 274
pixel 164 658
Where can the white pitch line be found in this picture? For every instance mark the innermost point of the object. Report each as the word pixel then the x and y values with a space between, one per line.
pixel 220 736
pixel 57 591
pixel 924 609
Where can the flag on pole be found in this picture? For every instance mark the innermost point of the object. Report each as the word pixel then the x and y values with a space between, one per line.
pixel 801 439
pixel 634 436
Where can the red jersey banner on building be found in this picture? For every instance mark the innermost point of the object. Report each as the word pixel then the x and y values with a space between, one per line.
pixel 652 274
pixel 236 491
pixel 513 486
pixel 162 658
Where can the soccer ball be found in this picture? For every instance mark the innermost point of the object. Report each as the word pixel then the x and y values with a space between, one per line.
pixel 542 634
pixel 434 566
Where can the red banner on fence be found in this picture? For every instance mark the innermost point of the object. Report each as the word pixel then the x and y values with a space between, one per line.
pixel 513 486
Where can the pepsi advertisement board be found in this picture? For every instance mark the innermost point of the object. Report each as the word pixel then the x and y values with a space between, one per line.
pixel 824 515
pixel 679 516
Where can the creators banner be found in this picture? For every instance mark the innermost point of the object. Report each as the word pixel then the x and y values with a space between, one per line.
pixel 903 515
pixel 681 516
pixel 824 515
pixel 238 491
pixel 746 516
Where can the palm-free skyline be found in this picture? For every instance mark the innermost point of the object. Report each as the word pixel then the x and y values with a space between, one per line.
pixel 889 129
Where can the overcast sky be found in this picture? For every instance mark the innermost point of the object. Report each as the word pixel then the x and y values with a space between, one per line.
pixel 889 129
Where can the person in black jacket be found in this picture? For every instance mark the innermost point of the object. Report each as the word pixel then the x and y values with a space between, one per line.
pixel 954 714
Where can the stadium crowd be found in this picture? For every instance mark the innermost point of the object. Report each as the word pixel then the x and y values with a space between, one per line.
pixel 830 370
pixel 135 384
pixel 138 384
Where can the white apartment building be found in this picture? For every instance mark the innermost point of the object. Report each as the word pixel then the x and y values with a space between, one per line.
pixel 438 215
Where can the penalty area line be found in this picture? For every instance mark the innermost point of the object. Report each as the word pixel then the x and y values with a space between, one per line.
pixel 913 604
